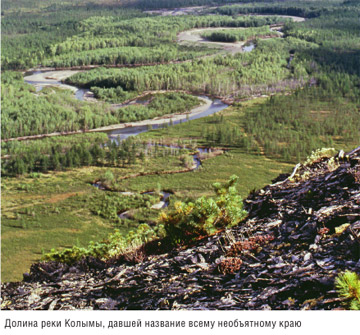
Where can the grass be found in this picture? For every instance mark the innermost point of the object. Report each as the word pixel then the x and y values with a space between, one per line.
pixel 54 210
pixel 254 172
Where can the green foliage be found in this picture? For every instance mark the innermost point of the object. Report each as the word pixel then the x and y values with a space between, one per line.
pixel 348 287
pixel 113 94
pixel 108 177
pixel 216 76
pixel 231 36
pixel 109 204
pixel 56 110
pixel 186 222
pixel 158 105
pixel 31 35
pixel 292 8
pixel 292 127
pixel 113 41
pixel 25 112
pixel 319 154
pixel 52 154
pixel 115 245
pixel 126 55
pixel 205 216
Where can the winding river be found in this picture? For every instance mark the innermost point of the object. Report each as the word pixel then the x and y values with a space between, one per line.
pixel 165 196
pixel 55 78
pixel 41 79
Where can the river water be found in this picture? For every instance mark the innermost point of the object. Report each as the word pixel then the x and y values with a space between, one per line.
pixel 216 106
pixel 40 79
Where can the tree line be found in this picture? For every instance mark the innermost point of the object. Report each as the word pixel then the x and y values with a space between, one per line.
pixel 243 74
pixel 28 37
pixel 58 154
pixel 232 36
pixel 289 128
pixel 111 41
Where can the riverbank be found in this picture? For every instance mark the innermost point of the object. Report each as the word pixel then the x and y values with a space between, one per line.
pixel 194 36
pixel 206 103
pixel 40 78
pixel 166 119
pixel 54 78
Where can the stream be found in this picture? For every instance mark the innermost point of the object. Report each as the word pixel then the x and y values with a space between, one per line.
pixel 41 79
pixel 164 201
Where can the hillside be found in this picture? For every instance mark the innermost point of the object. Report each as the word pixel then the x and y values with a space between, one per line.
pixel 301 232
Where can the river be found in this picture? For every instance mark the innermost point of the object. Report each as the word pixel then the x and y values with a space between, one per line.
pixel 55 78
pixel 42 79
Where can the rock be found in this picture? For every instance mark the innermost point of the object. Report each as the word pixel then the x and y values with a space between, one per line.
pixel 106 303
pixel 53 304
pixel 290 261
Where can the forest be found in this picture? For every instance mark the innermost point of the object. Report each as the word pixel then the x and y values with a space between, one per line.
pixel 54 110
pixel 297 90
pixel 231 36
pixel 288 128
pixel 214 76
pixel 58 154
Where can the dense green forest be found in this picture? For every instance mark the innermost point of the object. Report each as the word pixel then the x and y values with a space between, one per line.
pixel 320 55
pixel 27 37
pixel 265 66
pixel 65 31
pixel 57 154
pixel 156 4
pixel 289 127
pixel 25 112
pixel 231 36
pixel 113 40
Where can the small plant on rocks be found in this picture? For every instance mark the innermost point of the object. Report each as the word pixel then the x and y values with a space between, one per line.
pixel 229 265
pixel 348 287
pixel 319 154
pixel 206 215
pixel 251 244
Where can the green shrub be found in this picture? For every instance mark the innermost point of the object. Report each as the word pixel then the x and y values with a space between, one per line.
pixel 319 154
pixel 206 215
pixel 115 245
pixel 348 287
pixel 187 222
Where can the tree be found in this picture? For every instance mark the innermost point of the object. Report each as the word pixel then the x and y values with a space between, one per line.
pixel 19 166
pixel 55 162
pixel 44 164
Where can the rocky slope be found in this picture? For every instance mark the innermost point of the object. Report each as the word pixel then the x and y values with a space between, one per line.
pixel 300 233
